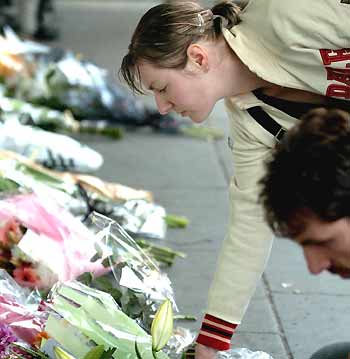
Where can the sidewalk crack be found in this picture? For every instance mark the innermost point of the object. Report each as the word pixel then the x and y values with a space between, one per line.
pixel 278 319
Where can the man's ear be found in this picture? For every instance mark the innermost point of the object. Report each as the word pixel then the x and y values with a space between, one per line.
pixel 197 56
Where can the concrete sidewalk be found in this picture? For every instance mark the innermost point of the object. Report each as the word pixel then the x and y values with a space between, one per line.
pixel 292 313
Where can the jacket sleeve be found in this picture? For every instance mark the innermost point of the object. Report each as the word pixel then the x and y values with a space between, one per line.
pixel 246 248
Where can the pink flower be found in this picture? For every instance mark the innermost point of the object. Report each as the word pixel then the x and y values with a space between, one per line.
pixel 6 338
pixel 26 276
pixel 24 323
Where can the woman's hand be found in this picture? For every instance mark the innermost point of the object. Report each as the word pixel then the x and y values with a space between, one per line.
pixel 203 352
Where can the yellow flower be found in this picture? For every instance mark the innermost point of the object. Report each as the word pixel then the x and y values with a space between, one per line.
pixel 162 326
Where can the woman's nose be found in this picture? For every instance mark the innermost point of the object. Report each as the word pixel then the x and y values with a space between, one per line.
pixel 163 105
pixel 316 258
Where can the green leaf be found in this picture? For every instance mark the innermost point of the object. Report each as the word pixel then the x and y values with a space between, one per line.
pixel 103 283
pixel 107 261
pixel 7 185
pixel 185 317
pixel 86 278
pixel 95 353
pixel 176 221
pixel 99 250
pixel 95 258
pixel 44 177
pixel 115 133
pixel 34 353
pixel 137 351
pixel 107 354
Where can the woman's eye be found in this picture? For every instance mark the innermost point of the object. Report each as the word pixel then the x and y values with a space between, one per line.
pixel 163 90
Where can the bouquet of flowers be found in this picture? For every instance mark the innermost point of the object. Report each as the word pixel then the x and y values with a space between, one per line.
pixel 94 316
pixel 41 243
pixel 77 322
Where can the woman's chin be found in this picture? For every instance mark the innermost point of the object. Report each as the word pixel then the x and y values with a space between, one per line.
pixel 197 117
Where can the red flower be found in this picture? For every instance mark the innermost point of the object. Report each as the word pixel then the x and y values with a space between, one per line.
pixel 10 233
pixel 26 276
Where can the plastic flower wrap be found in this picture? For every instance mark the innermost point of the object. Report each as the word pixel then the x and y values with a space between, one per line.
pixel 19 315
pixel 84 318
pixel 139 286
pixel 243 353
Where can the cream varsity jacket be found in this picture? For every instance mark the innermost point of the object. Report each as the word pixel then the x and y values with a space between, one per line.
pixel 292 44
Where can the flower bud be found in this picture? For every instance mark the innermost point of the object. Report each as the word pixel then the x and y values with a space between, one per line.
pixel 62 354
pixel 162 326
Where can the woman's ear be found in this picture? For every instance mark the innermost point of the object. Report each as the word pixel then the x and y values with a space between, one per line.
pixel 198 58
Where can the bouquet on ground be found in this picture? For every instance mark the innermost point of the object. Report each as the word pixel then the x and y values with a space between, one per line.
pixel 134 209
pixel 52 150
pixel 42 243
pixel 82 194
pixel 92 318
pixel 77 322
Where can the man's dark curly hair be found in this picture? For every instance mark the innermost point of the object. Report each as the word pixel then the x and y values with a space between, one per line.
pixel 309 170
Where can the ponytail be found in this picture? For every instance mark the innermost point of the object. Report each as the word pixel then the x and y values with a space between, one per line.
pixel 227 14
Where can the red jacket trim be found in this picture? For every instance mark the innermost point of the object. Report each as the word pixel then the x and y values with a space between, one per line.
pixel 216 333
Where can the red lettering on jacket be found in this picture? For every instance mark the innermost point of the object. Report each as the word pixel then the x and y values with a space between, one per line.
pixel 340 75
pixel 329 56
pixel 339 91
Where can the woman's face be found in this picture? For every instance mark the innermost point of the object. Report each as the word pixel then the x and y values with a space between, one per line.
pixel 183 91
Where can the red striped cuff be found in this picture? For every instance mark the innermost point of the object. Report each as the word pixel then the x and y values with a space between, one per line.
pixel 216 333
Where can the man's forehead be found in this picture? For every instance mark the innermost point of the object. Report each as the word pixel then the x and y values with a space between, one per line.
pixel 303 225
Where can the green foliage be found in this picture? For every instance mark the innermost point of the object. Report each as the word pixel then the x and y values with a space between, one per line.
pixel 163 255
pixel 33 353
pixel 7 185
pixel 176 221
pixel 99 352
pixel 115 133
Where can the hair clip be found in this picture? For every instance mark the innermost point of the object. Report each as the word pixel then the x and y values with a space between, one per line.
pixel 201 23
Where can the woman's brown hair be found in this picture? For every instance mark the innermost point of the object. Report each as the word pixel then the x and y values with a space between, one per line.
pixel 165 31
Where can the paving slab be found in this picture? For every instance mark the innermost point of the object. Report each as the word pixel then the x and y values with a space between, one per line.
pixel 313 321
pixel 268 343
pixel 100 30
pixel 160 161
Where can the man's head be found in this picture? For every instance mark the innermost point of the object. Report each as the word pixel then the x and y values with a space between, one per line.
pixel 306 189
